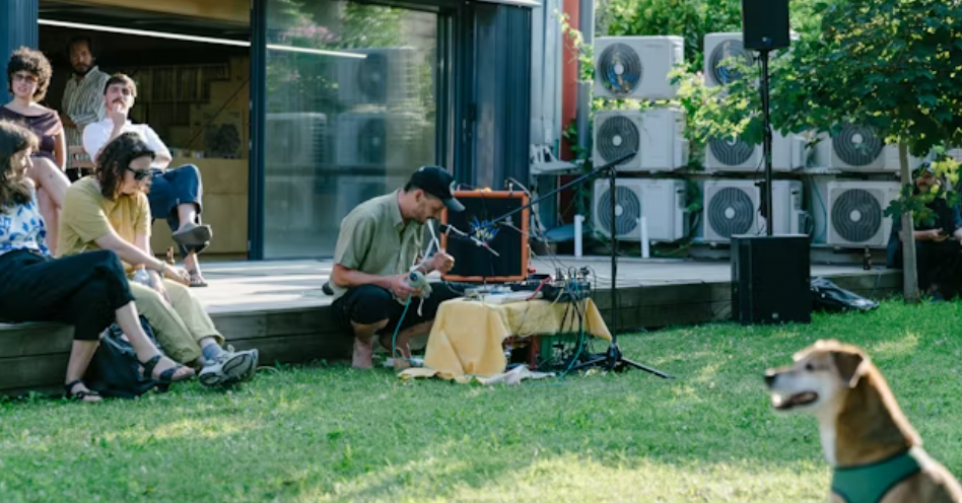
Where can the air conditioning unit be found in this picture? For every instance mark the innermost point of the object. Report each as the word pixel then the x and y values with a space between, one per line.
pixel 656 135
pixel 893 163
pixel 734 207
pixel 788 153
pixel 718 48
pixel 384 76
pixel 854 148
pixel 637 67
pixel 297 140
pixel 663 203
pixel 291 197
pixel 376 140
pixel 856 213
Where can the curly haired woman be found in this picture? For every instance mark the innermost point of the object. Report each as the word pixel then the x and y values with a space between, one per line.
pixel 28 76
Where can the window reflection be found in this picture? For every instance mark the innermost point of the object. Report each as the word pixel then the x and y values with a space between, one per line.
pixel 347 124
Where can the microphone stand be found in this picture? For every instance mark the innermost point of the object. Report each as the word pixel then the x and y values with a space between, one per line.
pixel 612 359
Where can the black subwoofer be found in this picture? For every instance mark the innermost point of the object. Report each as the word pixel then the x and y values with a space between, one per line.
pixel 771 279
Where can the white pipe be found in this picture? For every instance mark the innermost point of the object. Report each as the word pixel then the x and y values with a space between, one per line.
pixel 579 222
pixel 645 248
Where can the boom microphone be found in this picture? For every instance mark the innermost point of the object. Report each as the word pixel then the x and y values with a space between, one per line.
pixel 455 233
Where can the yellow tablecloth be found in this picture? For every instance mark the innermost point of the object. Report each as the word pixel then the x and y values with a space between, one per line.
pixel 467 336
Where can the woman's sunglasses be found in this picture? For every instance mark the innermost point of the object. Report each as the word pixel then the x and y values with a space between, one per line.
pixel 140 174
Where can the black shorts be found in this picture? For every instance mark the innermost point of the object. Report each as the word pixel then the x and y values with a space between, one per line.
pixel 369 304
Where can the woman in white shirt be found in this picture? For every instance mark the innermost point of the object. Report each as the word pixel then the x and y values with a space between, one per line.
pixel 89 291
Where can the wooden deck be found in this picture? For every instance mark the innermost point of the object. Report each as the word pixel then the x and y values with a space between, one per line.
pixel 279 308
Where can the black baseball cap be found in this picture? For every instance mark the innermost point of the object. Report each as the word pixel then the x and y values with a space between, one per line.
pixel 436 181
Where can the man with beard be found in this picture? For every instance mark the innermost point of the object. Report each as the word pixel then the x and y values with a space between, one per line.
pixel 175 194
pixel 83 102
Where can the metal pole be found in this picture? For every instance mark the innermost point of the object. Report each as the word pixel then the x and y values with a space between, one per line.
pixel 767 144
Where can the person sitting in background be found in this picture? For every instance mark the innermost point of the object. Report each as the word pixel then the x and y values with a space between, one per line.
pixel 83 97
pixel 109 211
pixel 28 76
pixel 379 243
pixel 938 244
pixel 175 194
pixel 88 291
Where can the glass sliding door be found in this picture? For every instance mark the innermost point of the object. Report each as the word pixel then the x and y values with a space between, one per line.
pixel 351 113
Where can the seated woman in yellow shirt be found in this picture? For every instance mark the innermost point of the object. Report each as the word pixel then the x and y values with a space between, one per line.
pixel 109 211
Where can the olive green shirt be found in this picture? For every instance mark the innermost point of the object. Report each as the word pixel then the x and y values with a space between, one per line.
pixel 375 239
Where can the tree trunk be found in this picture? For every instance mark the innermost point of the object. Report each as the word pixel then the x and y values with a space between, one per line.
pixel 910 287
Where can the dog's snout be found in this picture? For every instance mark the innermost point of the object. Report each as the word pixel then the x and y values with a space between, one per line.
pixel 770 376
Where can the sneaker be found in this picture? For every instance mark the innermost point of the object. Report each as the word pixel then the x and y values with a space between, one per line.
pixel 231 368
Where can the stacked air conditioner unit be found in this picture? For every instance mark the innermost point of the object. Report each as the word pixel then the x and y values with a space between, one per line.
pixel 734 207
pixel 637 67
pixel 854 148
pixel 655 135
pixel 291 198
pixel 733 155
pixel 663 203
pixel 298 140
pixel 718 48
pixel 384 76
pixel 856 213
pixel 376 139
pixel 893 163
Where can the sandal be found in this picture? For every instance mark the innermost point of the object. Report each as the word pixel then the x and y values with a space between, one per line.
pixel 80 396
pixel 167 376
pixel 196 280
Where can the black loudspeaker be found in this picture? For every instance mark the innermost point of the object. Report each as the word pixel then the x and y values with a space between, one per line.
pixel 765 24
pixel 771 279
pixel 474 264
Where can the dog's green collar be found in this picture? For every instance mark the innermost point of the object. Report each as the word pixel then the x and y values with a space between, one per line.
pixel 869 483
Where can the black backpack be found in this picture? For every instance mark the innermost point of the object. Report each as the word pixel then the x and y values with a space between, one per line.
pixel 115 371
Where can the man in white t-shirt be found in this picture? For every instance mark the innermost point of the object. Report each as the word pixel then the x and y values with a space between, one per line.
pixel 175 194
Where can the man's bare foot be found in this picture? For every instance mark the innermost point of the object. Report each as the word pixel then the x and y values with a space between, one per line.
pixel 401 349
pixel 363 354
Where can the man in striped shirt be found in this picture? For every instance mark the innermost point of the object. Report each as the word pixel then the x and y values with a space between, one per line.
pixel 83 98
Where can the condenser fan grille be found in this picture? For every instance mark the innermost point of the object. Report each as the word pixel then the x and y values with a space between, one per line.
pixel 731 212
pixel 617 136
pixel 857 145
pixel 372 141
pixel 728 49
pixel 731 152
pixel 620 70
pixel 372 75
pixel 857 215
pixel 627 210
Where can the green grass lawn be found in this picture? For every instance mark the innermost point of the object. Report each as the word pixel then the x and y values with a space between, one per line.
pixel 335 434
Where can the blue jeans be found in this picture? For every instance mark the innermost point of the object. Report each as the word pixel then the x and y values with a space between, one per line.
pixel 172 188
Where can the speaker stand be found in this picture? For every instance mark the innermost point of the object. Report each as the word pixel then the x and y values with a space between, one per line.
pixel 767 143
pixel 613 360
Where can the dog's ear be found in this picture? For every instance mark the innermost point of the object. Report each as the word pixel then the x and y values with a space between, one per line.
pixel 851 366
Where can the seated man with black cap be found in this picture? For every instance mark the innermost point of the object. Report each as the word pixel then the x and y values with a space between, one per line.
pixel 379 245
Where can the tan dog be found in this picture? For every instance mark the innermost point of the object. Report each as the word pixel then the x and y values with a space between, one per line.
pixel 876 454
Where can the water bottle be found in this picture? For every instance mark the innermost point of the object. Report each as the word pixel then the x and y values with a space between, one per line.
pixel 141 276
